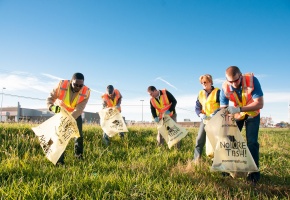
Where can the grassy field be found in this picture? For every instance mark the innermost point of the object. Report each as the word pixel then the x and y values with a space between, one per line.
pixel 134 168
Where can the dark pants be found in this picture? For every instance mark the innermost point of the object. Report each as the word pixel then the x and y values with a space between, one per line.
pixel 200 141
pixel 252 130
pixel 79 142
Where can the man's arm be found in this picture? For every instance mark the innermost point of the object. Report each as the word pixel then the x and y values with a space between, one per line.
pixel 198 107
pixel 153 110
pixel 53 95
pixel 119 100
pixel 224 101
pixel 257 104
pixel 172 100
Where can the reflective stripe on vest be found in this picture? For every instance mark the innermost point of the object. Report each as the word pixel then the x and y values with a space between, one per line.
pixel 247 89
pixel 64 95
pixel 112 102
pixel 163 105
pixel 209 104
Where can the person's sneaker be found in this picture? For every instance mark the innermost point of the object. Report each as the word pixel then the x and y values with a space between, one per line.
pixel 252 180
pixel 59 163
pixel 178 145
pixel 121 135
pixel 225 174
pixel 79 157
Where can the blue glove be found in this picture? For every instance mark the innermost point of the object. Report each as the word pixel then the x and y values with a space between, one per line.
pixel 167 112
pixel 156 119
pixel 117 106
pixel 55 109
pixel 202 116
pixel 233 109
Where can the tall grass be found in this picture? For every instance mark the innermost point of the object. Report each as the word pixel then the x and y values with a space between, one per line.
pixel 134 168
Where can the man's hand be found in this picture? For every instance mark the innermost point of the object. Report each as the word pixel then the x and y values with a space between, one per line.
pixel 202 116
pixel 156 119
pixel 167 112
pixel 117 106
pixel 233 109
pixel 55 109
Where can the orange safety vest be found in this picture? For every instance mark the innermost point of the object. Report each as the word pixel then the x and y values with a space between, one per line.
pixel 247 89
pixel 209 104
pixel 64 95
pixel 163 105
pixel 110 102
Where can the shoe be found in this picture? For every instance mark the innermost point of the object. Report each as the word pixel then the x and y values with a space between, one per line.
pixel 59 163
pixel 225 174
pixel 252 180
pixel 79 157
pixel 178 145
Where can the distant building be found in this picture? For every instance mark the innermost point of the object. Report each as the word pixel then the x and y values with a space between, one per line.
pixel 189 124
pixel 17 114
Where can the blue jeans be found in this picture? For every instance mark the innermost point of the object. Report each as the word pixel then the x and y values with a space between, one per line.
pixel 252 130
pixel 200 141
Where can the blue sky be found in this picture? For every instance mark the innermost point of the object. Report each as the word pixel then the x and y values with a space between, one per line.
pixel 133 44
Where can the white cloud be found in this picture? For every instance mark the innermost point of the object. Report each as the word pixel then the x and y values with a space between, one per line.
pixel 271 97
pixel 161 79
pixel 52 76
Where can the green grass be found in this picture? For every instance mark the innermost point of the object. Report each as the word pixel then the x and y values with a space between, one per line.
pixel 134 168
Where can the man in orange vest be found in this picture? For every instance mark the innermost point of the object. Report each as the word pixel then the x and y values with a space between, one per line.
pixel 111 98
pixel 245 92
pixel 73 95
pixel 162 102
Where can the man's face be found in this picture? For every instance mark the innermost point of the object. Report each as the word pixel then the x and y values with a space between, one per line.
pixel 111 95
pixel 153 94
pixel 235 81
pixel 77 84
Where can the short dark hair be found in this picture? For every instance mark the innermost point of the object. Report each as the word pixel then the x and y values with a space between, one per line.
pixel 151 88
pixel 78 76
pixel 110 89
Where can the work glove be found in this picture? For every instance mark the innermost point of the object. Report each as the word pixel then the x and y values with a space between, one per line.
pixel 202 116
pixel 167 112
pixel 55 109
pixel 156 119
pixel 117 106
pixel 233 109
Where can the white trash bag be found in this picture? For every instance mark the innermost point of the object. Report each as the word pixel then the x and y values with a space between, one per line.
pixel 171 131
pixel 112 121
pixel 231 153
pixel 55 133
pixel 209 150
